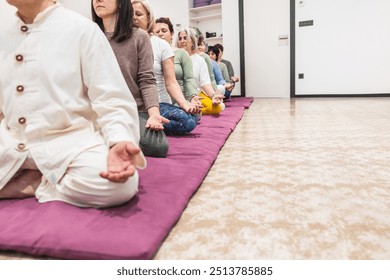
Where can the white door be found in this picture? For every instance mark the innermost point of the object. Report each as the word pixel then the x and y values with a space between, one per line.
pixel 346 50
pixel 267 48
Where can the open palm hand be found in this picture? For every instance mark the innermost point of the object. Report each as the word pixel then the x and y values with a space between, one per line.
pixel 121 162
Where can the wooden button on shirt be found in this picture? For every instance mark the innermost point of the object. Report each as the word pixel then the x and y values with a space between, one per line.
pixel 21 146
pixel 22 120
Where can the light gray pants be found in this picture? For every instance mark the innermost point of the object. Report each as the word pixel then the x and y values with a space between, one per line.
pixel 82 185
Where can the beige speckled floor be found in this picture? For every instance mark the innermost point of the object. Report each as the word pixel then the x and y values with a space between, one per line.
pixel 297 179
pixel 303 179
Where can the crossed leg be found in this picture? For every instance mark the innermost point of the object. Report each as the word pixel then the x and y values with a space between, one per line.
pixel 22 185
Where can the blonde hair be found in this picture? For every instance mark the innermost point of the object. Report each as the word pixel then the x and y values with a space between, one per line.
pixel 148 8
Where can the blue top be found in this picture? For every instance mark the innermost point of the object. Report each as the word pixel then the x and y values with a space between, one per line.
pixel 218 73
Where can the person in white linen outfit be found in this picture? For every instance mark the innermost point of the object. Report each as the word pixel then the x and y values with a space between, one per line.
pixel 69 125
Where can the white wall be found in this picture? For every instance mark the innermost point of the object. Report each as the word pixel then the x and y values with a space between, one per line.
pixel 267 65
pixel 176 10
pixel 81 6
pixel 6 11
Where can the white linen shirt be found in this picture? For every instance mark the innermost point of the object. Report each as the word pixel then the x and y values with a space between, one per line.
pixel 201 71
pixel 61 92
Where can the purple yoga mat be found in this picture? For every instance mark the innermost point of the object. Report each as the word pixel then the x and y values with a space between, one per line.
pixel 239 102
pixel 134 230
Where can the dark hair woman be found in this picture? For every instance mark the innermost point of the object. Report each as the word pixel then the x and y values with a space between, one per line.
pixel 134 53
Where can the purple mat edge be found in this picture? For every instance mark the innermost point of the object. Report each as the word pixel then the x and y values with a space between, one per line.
pixel 145 253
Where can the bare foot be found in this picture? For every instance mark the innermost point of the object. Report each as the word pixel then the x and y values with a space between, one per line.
pixel 23 185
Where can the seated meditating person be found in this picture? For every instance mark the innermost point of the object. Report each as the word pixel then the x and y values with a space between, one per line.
pixel 219 77
pixel 202 45
pixel 218 88
pixel 134 53
pixel 183 62
pixel 186 39
pixel 69 126
pixel 182 119
pixel 228 64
